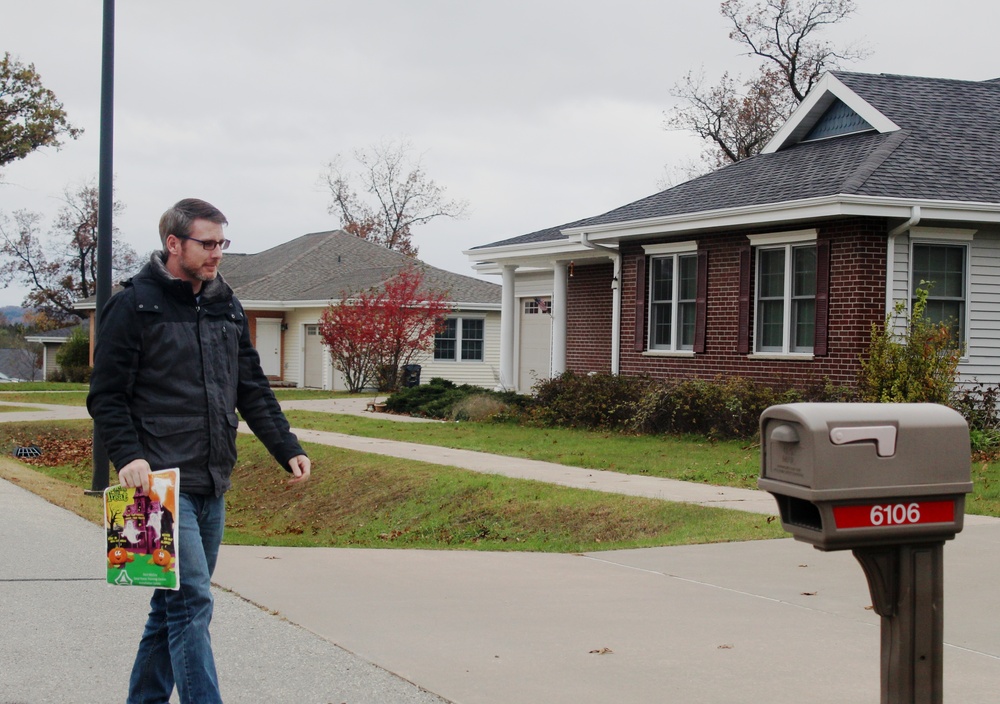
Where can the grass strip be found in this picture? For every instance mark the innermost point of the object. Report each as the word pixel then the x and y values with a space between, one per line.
pixel 362 500
pixel 57 398
pixel 694 459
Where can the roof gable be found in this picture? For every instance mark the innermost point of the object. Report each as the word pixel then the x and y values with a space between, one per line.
pixel 830 93
pixel 838 120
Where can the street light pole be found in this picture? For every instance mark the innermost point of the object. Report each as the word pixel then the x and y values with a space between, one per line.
pixel 105 199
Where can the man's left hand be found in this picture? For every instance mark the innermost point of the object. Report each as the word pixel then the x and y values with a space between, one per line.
pixel 300 466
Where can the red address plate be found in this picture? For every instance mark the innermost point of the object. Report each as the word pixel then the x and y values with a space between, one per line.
pixel 894 514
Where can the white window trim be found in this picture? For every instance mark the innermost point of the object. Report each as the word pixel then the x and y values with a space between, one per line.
pixel 670 248
pixel 669 353
pixel 941 235
pixel 773 239
pixel 675 328
pixel 945 238
pixel 459 330
pixel 780 241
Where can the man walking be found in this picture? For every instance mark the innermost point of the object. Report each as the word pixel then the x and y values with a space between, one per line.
pixel 172 366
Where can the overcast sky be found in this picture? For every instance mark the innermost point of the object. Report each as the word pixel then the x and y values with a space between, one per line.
pixel 537 112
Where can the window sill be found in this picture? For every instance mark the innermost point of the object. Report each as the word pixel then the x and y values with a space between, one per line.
pixel 668 353
pixel 790 357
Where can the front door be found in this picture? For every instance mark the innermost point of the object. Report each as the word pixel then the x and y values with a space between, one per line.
pixel 534 356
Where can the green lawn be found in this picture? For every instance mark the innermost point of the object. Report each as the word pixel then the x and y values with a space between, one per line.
pixel 358 499
pixel 60 398
pixel 43 386
pixel 725 463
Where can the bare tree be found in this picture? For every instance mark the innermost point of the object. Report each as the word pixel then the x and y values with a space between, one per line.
pixel 60 269
pixel 737 117
pixel 396 195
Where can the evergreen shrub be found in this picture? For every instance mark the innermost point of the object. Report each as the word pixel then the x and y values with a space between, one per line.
pixel 73 358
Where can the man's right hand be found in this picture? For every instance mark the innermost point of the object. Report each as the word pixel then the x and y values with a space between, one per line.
pixel 135 474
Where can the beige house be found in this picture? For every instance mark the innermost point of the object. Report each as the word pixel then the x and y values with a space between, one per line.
pixel 285 289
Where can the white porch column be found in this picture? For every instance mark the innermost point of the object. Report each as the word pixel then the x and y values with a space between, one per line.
pixel 508 319
pixel 560 281
pixel 616 316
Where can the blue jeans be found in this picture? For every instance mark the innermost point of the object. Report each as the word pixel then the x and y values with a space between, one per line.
pixel 176 647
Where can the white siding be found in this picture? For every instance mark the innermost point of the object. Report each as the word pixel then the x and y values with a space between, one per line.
pixel 295 342
pixel 533 283
pixel 982 360
pixel 485 373
pixel 901 278
pixel 984 310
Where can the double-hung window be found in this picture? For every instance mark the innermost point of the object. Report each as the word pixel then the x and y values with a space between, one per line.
pixel 940 269
pixel 460 340
pixel 672 299
pixel 785 310
pixel 673 296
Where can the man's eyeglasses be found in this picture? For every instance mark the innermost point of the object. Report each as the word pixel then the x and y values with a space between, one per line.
pixel 210 245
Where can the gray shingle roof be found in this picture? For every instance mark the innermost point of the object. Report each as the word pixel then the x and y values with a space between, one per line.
pixel 948 148
pixel 325 265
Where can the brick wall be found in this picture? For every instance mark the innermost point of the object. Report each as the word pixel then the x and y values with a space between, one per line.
pixel 857 299
pixel 588 318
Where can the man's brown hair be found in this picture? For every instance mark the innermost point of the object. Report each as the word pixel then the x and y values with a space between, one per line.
pixel 178 218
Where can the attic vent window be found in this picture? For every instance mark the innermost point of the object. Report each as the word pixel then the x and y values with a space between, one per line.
pixel 837 121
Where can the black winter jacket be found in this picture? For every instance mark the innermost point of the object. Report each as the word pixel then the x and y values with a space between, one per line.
pixel 170 372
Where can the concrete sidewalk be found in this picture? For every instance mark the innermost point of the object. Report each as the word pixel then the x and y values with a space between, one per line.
pixel 744 623
pixel 67 637
pixel 741 623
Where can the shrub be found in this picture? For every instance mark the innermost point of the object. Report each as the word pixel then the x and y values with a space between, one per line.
pixel 73 357
pixel 977 402
pixel 439 397
pixel 919 366
pixel 719 408
pixel 984 443
pixel 478 407
pixel 588 400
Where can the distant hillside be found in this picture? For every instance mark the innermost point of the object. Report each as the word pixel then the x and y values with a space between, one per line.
pixel 14 314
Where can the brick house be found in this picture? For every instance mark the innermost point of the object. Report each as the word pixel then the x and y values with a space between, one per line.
pixel 775 267
pixel 285 289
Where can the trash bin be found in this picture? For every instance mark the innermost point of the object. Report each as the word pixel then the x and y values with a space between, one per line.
pixel 411 375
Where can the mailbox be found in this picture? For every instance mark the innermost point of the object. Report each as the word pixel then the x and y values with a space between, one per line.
pixel 850 475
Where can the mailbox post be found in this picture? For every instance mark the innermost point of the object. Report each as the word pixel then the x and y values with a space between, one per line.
pixel 888 482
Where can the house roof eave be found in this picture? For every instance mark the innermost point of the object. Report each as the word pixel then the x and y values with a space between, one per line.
pixel 288 306
pixel 549 248
pixel 538 258
pixel 43 339
pixel 792 211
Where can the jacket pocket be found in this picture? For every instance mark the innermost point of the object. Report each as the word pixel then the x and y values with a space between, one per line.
pixel 176 441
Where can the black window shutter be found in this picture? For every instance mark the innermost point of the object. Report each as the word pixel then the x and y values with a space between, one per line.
pixel 640 303
pixel 821 330
pixel 743 334
pixel 701 303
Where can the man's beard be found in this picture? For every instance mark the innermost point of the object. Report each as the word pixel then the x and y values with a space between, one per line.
pixel 198 274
